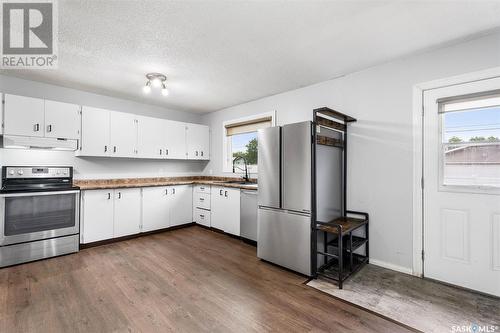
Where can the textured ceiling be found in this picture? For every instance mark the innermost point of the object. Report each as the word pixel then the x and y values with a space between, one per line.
pixel 220 53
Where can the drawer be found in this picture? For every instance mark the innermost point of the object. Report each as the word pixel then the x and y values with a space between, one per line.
pixel 202 216
pixel 202 189
pixel 201 200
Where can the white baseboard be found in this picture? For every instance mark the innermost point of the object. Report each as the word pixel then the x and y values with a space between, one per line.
pixel 393 267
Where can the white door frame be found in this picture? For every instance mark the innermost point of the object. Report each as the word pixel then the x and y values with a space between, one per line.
pixel 418 109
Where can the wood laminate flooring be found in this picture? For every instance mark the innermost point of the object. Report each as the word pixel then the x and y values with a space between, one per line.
pixel 185 280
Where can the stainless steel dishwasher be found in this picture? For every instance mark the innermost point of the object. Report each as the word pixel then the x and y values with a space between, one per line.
pixel 248 214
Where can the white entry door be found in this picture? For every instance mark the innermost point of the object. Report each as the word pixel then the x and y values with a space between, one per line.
pixel 461 172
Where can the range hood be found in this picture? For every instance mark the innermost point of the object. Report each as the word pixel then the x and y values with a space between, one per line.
pixel 28 142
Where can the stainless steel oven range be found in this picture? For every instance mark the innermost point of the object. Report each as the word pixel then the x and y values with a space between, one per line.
pixel 39 213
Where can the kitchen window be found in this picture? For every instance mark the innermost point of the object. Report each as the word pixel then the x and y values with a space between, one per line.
pixel 240 140
pixel 470 143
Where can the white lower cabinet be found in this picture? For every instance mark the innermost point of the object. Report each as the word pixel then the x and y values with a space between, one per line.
pixel 225 207
pixel 155 208
pixel 127 212
pixel 108 214
pixel 97 215
pixel 181 204
pixel 202 216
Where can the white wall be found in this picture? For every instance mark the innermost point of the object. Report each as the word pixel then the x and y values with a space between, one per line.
pixel 94 167
pixel 380 143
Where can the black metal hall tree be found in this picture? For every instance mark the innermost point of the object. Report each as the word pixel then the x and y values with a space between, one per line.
pixel 340 244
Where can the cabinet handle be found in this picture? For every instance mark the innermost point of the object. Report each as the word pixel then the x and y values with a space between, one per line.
pixel 166 191
pixel 105 149
pixel 173 191
pixel 109 196
pixel 225 194
pixel 114 149
pixel 166 151
pixel 202 188
pixel 202 153
pixel 196 153
pixel 202 199
pixel 220 192
pixel 161 150
pixel 49 128
pixel 119 195
pixel 36 127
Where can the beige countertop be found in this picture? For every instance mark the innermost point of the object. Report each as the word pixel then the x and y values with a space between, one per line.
pixel 95 184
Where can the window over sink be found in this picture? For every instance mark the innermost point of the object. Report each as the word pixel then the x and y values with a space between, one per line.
pixel 240 140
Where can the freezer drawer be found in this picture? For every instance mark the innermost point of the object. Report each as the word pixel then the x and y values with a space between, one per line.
pixel 284 238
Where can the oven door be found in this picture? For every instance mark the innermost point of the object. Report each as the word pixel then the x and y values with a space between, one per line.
pixel 38 215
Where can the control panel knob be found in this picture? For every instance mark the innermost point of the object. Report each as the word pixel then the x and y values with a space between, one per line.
pixel 11 172
pixel 20 172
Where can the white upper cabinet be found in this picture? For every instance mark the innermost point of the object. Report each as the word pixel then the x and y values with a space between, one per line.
pixel 24 116
pixel 95 139
pixel 198 142
pixel 175 139
pixel 62 120
pixel 151 137
pixel 123 134
pixel 35 117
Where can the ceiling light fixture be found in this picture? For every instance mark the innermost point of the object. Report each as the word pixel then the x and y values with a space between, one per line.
pixel 156 80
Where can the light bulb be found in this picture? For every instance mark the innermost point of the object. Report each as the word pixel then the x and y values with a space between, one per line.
pixel 147 88
pixel 164 90
pixel 156 82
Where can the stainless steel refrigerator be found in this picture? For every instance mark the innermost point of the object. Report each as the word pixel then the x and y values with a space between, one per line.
pixel 285 195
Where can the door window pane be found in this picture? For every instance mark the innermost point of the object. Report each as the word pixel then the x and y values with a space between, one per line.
pixel 471 147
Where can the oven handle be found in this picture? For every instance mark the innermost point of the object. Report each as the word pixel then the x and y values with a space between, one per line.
pixel 35 194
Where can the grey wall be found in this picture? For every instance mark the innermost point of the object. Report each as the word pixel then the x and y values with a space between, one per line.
pixel 380 143
pixel 90 167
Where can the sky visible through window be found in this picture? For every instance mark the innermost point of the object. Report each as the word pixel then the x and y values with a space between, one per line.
pixel 240 141
pixel 245 145
pixel 478 123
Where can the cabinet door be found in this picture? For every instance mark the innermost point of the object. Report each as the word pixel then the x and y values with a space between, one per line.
pixel 155 208
pixel 175 140
pixel 97 215
pixel 218 209
pixel 95 132
pixel 150 137
pixel 204 144
pixel 197 142
pixel 182 205
pixel 127 212
pixel 23 116
pixel 123 134
pixel 232 211
pixel 62 120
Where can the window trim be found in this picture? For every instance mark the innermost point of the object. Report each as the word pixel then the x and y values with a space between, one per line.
pixel 226 143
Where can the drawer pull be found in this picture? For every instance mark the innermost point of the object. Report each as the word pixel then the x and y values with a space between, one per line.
pixel 202 216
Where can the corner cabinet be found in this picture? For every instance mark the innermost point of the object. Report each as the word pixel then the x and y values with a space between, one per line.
pixel 198 142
